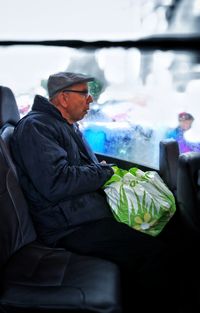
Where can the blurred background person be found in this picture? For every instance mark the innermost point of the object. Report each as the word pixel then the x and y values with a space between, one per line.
pixel 185 121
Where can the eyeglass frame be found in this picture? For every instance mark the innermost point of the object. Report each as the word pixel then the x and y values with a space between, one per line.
pixel 81 92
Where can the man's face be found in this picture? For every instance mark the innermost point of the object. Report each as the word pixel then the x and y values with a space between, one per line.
pixel 78 101
pixel 185 125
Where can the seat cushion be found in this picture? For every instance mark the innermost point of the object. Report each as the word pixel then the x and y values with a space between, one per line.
pixel 42 277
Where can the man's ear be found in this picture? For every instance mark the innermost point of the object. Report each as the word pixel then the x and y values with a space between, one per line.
pixel 63 99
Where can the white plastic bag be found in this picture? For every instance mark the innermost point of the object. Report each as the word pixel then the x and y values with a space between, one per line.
pixel 140 199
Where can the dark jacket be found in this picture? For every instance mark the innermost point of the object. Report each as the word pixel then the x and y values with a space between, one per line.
pixel 61 181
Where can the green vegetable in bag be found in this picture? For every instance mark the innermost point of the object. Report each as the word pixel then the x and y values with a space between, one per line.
pixel 140 199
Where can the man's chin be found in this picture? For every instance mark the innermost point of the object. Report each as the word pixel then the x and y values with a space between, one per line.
pixel 84 114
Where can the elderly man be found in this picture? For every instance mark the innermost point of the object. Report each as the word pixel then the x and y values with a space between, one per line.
pixel 62 180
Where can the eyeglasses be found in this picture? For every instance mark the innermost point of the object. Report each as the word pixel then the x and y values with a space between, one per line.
pixel 85 93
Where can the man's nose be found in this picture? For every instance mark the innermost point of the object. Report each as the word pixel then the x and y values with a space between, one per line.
pixel 89 99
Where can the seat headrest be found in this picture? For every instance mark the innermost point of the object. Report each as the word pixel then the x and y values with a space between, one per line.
pixel 188 190
pixel 168 161
pixel 9 113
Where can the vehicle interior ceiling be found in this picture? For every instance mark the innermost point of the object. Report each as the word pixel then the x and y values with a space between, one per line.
pixel 125 127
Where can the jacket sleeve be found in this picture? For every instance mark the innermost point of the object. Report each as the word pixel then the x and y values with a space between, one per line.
pixel 40 156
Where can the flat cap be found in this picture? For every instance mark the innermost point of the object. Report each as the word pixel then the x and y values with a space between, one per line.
pixel 59 81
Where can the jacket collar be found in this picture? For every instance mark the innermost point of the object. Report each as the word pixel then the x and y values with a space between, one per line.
pixel 42 105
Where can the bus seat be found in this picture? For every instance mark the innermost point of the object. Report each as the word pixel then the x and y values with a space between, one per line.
pixel 36 277
pixel 168 163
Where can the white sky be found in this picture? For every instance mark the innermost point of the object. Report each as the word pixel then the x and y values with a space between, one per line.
pixel 69 19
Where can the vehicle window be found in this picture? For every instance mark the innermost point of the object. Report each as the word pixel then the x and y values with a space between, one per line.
pixel 138 94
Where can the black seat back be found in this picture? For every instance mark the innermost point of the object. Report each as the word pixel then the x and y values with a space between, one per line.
pixel 188 191
pixel 9 114
pixel 168 162
pixel 16 228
